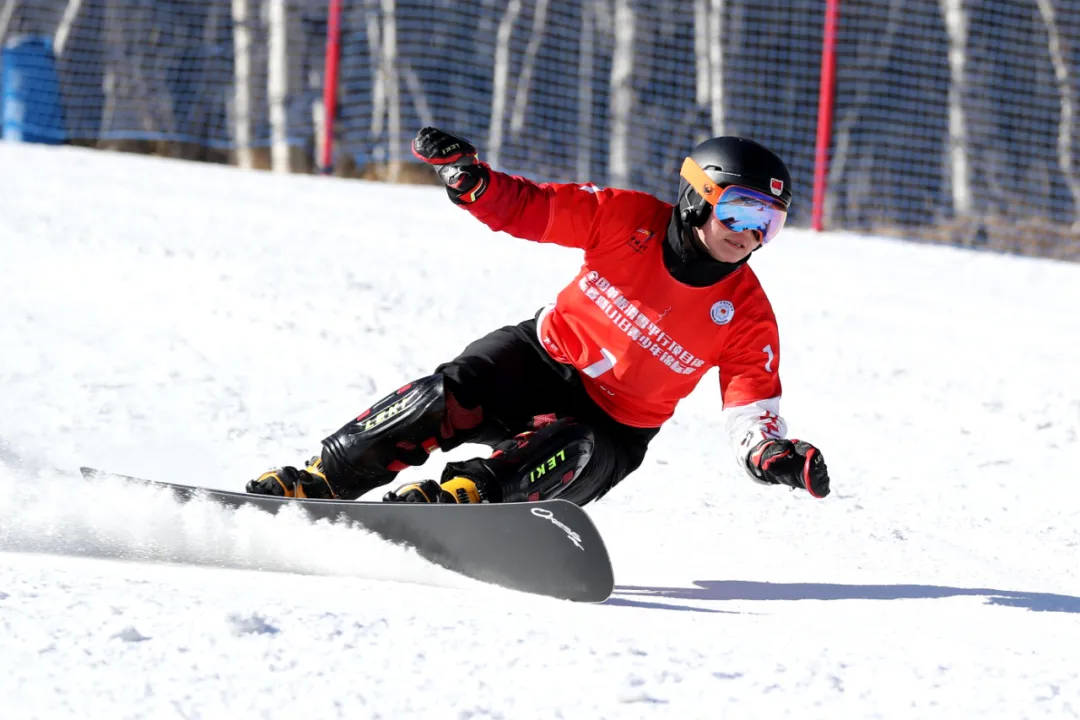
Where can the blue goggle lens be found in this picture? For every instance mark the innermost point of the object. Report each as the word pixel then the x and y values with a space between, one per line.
pixel 741 208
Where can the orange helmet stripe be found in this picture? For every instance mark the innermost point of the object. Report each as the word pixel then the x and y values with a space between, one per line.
pixel 704 185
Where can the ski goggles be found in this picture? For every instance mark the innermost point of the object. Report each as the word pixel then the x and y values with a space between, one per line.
pixel 738 207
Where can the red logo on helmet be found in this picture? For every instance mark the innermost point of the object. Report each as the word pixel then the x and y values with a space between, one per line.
pixel 777 186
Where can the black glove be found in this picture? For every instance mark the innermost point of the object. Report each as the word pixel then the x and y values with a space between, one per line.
pixel 793 463
pixel 454 160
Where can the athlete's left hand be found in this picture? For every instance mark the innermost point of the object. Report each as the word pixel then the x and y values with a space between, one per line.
pixel 794 463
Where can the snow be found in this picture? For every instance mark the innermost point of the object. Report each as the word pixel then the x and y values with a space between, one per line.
pixel 198 323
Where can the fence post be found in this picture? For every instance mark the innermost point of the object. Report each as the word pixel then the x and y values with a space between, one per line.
pixel 330 84
pixel 825 112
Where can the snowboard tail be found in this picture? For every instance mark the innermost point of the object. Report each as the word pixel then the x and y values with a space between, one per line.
pixel 549 547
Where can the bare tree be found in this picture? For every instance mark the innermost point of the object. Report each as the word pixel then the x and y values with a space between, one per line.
pixel 6 13
pixel 501 70
pixel 242 80
pixel 277 84
pixel 521 98
pixel 416 92
pixel 1059 59
pixel 584 84
pixel 622 94
pixel 63 30
pixel 393 93
pixel 378 87
pixel 138 100
pixel 701 52
pixel 716 66
pixel 709 60
pixel 386 92
pixel 956 25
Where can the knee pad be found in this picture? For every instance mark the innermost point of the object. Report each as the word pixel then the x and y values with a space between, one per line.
pixel 540 464
pixel 399 430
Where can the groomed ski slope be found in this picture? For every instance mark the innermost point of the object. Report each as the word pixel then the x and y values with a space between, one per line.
pixel 198 323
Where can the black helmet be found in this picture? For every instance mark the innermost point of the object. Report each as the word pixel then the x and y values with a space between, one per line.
pixel 733 161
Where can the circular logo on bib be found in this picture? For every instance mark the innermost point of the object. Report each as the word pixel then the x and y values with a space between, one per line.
pixel 722 311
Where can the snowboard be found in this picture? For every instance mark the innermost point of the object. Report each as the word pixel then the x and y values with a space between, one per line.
pixel 550 547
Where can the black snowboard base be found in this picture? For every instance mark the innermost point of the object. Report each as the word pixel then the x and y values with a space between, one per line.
pixel 549 547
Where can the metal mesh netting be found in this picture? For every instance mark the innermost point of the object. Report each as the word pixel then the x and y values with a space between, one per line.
pixel 958 120
pixel 955 120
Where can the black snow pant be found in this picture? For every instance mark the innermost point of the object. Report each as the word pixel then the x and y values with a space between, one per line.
pixel 509 375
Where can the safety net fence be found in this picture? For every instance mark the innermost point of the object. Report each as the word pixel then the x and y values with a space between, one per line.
pixel 950 120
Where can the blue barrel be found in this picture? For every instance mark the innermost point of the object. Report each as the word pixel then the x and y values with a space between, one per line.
pixel 31 103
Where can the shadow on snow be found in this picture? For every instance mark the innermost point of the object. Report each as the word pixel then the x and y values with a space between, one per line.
pixel 718 590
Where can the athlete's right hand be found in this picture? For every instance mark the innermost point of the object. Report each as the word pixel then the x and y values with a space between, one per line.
pixel 455 162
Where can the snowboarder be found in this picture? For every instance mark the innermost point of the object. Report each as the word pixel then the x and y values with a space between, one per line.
pixel 570 399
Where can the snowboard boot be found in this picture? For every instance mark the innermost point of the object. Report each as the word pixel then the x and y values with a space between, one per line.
pixel 289 482
pixel 455 490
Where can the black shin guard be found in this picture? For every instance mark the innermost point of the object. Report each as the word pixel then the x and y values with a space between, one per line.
pixel 400 430
pixel 554 460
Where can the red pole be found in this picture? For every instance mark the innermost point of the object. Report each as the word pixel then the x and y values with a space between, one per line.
pixel 825 112
pixel 330 83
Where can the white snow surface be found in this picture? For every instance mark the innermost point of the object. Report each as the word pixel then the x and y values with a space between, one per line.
pixel 199 324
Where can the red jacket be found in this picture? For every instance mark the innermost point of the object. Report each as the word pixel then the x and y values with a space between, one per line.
pixel 640 338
